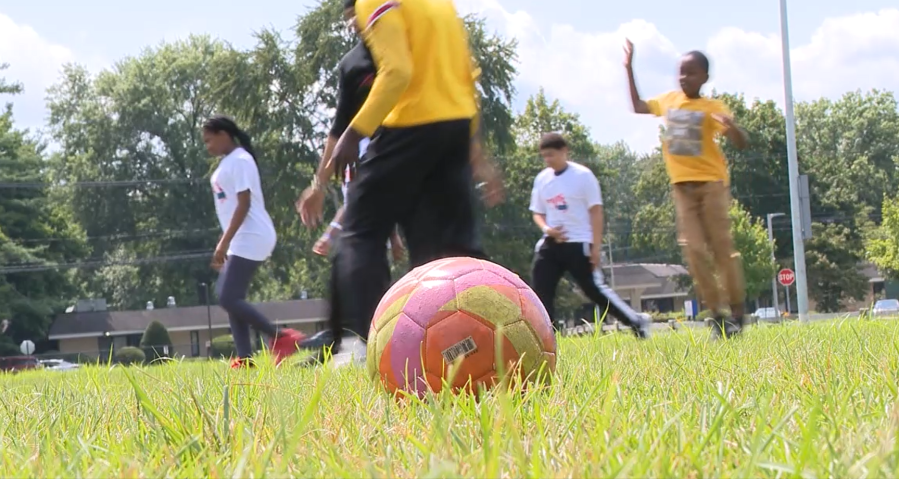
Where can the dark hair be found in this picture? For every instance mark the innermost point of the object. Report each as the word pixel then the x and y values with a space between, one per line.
pixel 220 123
pixel 701 58
pixel 553 141
pixel 349 4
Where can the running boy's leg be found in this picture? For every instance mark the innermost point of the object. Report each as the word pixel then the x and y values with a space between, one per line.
pixel 729 264
pixel 592 283
pixel 692 239
pixel 545 276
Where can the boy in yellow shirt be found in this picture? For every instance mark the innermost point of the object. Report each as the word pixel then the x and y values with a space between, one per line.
pixel 700 184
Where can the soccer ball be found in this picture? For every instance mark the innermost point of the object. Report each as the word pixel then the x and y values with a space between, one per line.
pixel 442 321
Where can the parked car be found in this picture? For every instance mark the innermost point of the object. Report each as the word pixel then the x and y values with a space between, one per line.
pixel 58 365
pixel 14 364
pixel 886 306
pixel 768 314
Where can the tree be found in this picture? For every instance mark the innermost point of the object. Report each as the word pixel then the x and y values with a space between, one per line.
pixel 751 241
pixel 832 262
pixel 155 341
pixel 882 243
pixel 138 124
pixel 33 236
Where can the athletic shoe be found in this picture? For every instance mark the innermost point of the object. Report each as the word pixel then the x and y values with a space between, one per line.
pixel 726 328
pixel 286 344
pixel 643 327
pixel 318 340
pixel 243 363
pixel 354 350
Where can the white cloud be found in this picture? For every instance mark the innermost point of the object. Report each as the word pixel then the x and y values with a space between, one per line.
pixel 584 69
pixel 34 62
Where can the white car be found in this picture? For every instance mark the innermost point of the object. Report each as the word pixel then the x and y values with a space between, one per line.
pixel 58 365
pixel 767 313
pixel 886 306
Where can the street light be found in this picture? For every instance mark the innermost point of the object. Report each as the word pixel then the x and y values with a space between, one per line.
pixel 793 167
pixel 773 257
pixel 208 317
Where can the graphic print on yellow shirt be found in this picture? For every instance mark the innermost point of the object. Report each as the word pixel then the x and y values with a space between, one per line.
pixel 689 147
pixel 425 69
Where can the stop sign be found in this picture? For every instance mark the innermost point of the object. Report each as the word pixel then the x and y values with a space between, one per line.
pixel 786 277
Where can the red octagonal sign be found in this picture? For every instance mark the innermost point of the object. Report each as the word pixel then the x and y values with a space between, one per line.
pixel 786 277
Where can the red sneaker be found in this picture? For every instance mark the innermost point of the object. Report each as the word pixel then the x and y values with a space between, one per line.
pixel 241 363
pixel 286 344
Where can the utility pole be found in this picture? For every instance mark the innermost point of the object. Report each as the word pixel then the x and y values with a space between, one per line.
pixel 773 258
pixel 611 264
pixel 793 167
pixel 205 287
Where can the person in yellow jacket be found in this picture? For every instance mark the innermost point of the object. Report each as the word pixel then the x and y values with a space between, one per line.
pixel 422 117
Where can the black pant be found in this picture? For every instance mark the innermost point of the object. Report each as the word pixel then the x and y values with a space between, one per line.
pixel 231 288
pixel 552 260
pixel 420 178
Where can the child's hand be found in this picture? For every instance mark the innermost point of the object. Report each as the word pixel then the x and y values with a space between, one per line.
pixel 628 53
pixel 725 120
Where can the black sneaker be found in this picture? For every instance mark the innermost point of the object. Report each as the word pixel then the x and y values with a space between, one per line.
pixel 643 327
pixel 318 340
pixel 320 357
pixel 726 328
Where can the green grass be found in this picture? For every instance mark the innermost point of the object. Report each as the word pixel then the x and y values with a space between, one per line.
pixel 783 401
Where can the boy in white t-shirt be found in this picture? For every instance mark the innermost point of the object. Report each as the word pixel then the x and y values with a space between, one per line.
pixel 566 203
pixel 248 238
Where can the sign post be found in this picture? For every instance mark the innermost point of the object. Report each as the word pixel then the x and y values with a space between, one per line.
pixel 27 347
pixel 786 278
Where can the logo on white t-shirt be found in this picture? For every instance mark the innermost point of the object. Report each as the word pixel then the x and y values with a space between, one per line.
pixel 558 202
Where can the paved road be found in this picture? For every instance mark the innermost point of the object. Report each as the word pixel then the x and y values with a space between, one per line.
pixel 588 328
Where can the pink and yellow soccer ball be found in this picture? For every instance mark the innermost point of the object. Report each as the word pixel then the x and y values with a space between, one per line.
pixel 453 320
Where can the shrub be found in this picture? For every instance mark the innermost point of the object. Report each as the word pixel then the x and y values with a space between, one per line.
pixel 223 346
pixel 154 341
pixel 130 355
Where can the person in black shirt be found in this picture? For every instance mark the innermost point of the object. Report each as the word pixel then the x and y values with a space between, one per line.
pixel 356 73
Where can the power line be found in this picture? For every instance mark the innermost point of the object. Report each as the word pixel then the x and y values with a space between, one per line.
pixel 98 184
pixel 105 263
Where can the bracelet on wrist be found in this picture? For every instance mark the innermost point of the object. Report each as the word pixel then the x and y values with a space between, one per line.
pixel 336 225
pixel 317 184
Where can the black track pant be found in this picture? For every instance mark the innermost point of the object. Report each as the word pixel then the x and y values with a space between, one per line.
pixel 552 260
pixel 420 178
pixel 231 287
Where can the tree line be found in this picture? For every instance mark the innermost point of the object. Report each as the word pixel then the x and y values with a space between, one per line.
pixel 120 208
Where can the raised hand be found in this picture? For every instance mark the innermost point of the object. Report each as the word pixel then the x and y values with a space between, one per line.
pixel 628 53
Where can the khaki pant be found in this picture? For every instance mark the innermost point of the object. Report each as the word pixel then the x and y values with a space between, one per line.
pixel 703 227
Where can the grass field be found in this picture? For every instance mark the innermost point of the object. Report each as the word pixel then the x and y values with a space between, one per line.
pixel 783 401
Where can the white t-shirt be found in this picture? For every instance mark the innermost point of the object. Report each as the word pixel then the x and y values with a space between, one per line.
pixel 566 198
pixel 237 172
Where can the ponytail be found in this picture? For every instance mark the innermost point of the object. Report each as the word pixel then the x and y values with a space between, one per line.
pixel 243 139
pixel 221 123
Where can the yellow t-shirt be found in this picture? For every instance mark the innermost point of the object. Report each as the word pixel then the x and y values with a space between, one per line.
pixel 689 147
pixel 425 69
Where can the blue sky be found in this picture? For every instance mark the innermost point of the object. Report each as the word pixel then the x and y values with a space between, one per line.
pixel 570 47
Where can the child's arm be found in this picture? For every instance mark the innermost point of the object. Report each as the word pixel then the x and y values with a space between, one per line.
pixel 640 106
pixel 731 130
